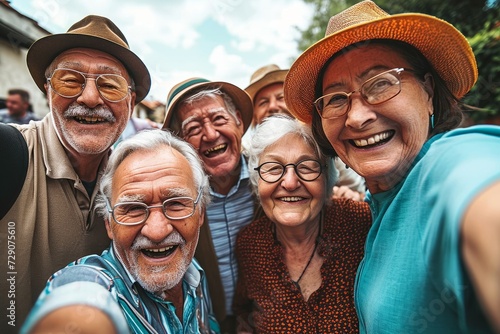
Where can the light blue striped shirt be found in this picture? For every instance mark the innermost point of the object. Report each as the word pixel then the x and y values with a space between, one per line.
pixel 227 214
pixel 102 282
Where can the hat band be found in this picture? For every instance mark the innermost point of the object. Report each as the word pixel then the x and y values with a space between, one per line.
pixel 184 86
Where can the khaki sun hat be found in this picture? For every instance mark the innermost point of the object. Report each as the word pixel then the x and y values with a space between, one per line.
pixel 240 98
pixel 442 44
pixel 263 77
pixel 94 32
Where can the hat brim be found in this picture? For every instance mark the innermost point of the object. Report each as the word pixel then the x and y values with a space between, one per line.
pixel 44 50
pixel 268 79
pixel 240 98
pixel 442 44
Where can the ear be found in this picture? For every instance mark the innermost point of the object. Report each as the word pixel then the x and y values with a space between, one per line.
pixel 201 219
pixel 428 85
pixel 239 121
pixel 132 101
pixel 108 228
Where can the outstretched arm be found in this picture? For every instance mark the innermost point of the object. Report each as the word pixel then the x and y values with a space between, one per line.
pixel 81 319
pixel 481 249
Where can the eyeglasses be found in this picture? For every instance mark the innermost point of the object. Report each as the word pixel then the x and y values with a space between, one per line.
pixel 135 213
pixel 376 90
pixel 70 83
pixel 307 170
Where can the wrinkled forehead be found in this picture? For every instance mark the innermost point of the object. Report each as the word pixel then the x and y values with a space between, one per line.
pixel 83 59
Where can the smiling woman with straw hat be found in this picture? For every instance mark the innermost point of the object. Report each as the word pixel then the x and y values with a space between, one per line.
pixel 382 92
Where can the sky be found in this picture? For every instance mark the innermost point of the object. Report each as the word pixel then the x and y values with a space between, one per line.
pixel 220 40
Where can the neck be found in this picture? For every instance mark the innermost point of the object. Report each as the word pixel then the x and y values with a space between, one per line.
pixel 222 185
pixel 86 166
pixel 176 296
pixel 299 238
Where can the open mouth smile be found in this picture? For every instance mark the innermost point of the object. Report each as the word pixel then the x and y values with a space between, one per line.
pixel 89 119
pixel 219 149
pixel 291 199
pixel 378 139
pixel 159 252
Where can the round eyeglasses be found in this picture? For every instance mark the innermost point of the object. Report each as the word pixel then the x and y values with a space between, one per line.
pixel 135 213
pixel 306 170
pixel 69 83
pixel 378 89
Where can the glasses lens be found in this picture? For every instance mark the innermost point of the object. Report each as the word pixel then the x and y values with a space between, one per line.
pixel 178 207
pixel 308 170
pixel 130 213
pixel 271 171
pixel 67 83
pixel 112 87
pixel 333 105
pixel 381 87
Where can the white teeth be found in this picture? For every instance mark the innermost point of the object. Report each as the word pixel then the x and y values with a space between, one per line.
pixel 291 199
pixel 159 250
pixel 372 140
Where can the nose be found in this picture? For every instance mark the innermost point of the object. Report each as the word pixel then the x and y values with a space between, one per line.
pixel 90 95
pixel 157 227
pixel 273 106
pixel 210 133
pixel 360 112
pixel 290 180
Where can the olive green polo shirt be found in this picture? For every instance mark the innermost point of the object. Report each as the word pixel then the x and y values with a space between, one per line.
pixel 52 223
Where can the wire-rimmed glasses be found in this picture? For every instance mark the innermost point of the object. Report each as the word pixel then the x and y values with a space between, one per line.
pixel 306 170
pixel 70 83
pixel 378 89
pixel 135 213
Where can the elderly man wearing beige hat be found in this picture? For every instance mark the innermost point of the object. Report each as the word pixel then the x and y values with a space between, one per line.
pixel 266 91
pixel 92 80
pixel 212 116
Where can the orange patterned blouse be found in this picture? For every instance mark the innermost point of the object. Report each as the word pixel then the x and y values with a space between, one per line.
pixel 267 301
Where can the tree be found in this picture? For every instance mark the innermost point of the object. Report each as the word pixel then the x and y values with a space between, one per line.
pixel 478 20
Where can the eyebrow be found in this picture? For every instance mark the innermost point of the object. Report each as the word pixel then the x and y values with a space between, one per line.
pixel 361 76
pixel 279 158
pixel 79 66
pixel 175 192
pixel 130 198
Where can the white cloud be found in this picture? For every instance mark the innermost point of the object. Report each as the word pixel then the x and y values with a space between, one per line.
pixel 218 39
pixel 229 67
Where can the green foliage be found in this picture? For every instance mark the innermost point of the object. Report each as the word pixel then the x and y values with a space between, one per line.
pixel 486 93
pixel 476 19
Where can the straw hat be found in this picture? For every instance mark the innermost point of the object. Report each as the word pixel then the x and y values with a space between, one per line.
pixel 94 32
pixel 181 90
pixel 263 77
pixel 442 44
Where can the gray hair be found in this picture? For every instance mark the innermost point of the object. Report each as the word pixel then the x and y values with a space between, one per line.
pixel 152 140
pixel 273 129
pixel 212 93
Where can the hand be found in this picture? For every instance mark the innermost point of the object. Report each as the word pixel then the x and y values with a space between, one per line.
pixel 346 192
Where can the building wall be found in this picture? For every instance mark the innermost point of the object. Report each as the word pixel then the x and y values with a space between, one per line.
pixel 16 33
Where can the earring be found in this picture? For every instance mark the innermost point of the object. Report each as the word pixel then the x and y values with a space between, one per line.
pixel 432 121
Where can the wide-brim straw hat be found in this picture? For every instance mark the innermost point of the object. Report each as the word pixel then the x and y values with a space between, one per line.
pixel 442 44
pixel 263 77
pixel 186 88
pixel 93 32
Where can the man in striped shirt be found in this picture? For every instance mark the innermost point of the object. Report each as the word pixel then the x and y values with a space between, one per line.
pixel 213 116
pixel 153 197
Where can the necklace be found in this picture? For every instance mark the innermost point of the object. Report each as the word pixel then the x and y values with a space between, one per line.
pixel 296 283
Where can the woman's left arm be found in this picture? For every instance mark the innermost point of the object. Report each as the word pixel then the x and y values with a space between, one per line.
pixel 481 249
